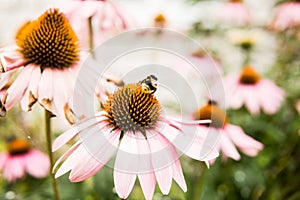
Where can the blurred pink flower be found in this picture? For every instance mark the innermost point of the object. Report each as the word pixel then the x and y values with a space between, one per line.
pixel 106 17
pixel 287 15
pixel 131 126
pixel 21 158
pixel 255 92
pixel 231 135
pixel 208 67
pixel 46 58
pixel 234 12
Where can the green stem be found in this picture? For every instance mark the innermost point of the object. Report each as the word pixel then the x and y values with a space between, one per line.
pixel 198 183
pixel 91 37
pixel 49 148
pixel 247 56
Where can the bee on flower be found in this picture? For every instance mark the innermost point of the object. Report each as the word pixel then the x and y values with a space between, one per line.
pixel 132 126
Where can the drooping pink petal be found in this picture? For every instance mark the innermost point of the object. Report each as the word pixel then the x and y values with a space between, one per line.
pixel 251 99
pixel 73 132
pixel 102 145
pixel 11 59
pixel 194 141
pixel 45 88
pixel 247 144
pixel 228 148
pixel 14 168
pixel 162 160
pixel 235 99
pixel 124 183
pixel 66 155
pixel 3 160
pixel 5 77
pixel 34 79
pixel 37 164
pixel 271 96
pixel 177 172
pixel 61 96
pixel 126 165
pixel 146 175
pixel 17 89
pixel 148 183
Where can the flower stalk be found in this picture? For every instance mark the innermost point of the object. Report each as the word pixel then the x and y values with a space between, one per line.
pixel 199 182
pixel 49 149
pixel 91 37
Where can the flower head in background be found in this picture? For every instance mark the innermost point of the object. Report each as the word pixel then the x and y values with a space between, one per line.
pixel 97 19
pixel 131 126
pixel 199 62
pixel 46 57
pixel 253 91
pixel 245 39
pixel 175 15
pixel 233 12
pixel 286 16
pixel 231 135
pixel 21 158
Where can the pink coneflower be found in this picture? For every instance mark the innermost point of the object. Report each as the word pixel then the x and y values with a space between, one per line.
pixel 255 92
pixel 231 135
pixel 131 126
pixel 234 13
pixel 102 19
pixel 46 58
pixel 207 66
pixel 21 158
pixel 286 15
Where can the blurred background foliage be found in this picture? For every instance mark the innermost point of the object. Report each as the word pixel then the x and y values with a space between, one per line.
pixel 273 174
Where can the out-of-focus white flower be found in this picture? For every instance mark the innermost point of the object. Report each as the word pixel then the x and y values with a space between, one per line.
pixel 175 15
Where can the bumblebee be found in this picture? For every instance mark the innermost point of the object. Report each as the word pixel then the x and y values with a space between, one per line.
pixel 148 84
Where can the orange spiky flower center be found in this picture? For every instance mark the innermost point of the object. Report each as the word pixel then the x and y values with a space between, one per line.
pixel 249 76
pixel 213 112
pixel 18 147
pixel 49 41
pixel 133 107
pixel 160 21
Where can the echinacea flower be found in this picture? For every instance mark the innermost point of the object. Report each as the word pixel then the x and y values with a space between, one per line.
pixel 207 66
pixel 46 58
pixel 233 12
pixel 97 19
pixel 21 158
pixel 231 135
pixel 132 127
pixel 253 91
pixel 175 15
pixel 286 16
